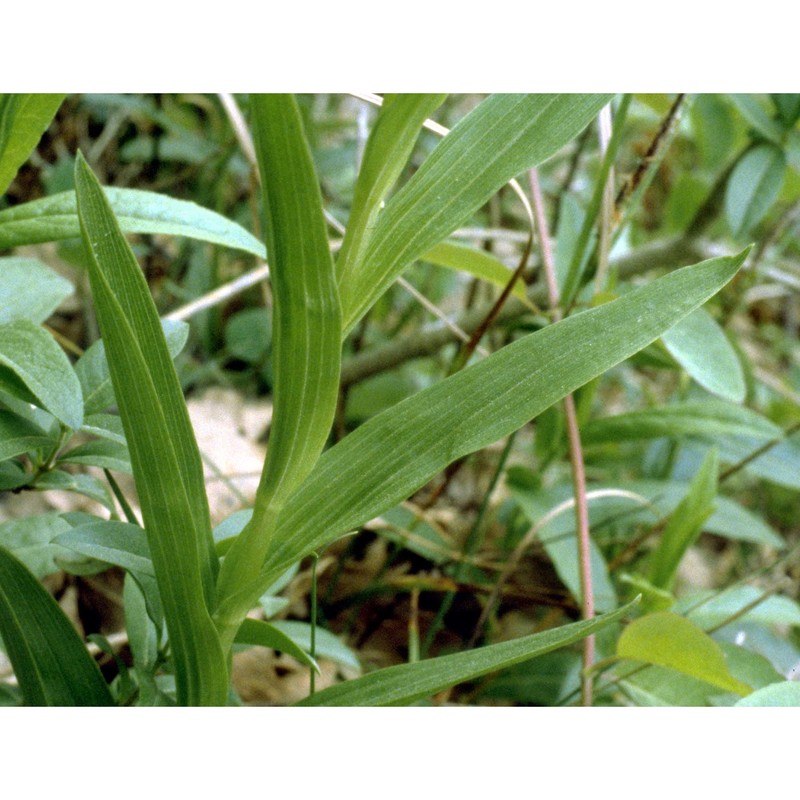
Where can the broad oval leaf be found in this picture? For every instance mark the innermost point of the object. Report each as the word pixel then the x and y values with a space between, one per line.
pixel 31 354
pixel 753 187
pixel 30 290
pixel 669 640
pixel 399 450
pixel 23 120
pixel 31 541
pixel 56 217
pixel 18 435
pixel 50 661
pixel 406 683
pixel 700 346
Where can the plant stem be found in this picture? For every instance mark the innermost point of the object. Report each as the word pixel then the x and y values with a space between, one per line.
pixel 575 452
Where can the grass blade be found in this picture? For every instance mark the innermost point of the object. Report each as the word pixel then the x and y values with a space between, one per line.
pixel 503 136
pixel 164 454
pixel 396 452
pixel 306 328
pixel 50 661
pixel 406 683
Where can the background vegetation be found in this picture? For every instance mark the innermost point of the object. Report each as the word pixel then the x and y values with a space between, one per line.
pixel 689 447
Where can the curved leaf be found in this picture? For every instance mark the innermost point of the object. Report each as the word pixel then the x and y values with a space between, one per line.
pixel 700 346
pixel 406 683
pixel 50 661
pixel 56 217
pixel 32 355
pixel 265 634
pixel 785 694
pixel 164 454
pixel 30 290
pixel 753 187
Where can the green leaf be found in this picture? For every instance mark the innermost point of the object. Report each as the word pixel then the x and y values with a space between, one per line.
pixel 56 217
pixel 700 346
pixel 710 610
pixel 31 354
pixel 406 683
pixel 114 542
pixel 95 378
pixel 164 454
pixel 785 695
pixel 326 644
pixel 23 120
pixel 670 640
pixel 306 332
pixel 752 110
pixel 503 136
pixel 705 418
pixel 31 540
pixel 788 107
pixel 685 524
pixel 266 634
pixel 106 454
pixel 50 661
pixel 18 436
pixel 386 153
pixel 753 187
pixel 395 453
pixel 30 290
pixel 106 426
pixel 477 263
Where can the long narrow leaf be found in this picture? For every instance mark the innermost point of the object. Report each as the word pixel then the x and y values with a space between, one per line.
pixel 306 327
pixel 503 136
pixel 23 120
pixel 56 217
pixel 164 454
pixel 388 149
pixel 50 661
pixel 406 683
pixel 396 452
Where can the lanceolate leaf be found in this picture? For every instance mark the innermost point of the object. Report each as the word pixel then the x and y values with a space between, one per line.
pixel 164 454
pixel 388 149
pixel 23 120
pixel 56 217
pixel 503 136
pixel 406 683
pixel 49 659
pixel 264 634
pixel 396 452
pixel 306 327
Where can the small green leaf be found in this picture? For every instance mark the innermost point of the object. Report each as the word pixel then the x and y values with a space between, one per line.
pixel 406 683
pixel 106 454
pixel 79 483
pixel 700 346
pixel 31 354
pixel 784 695
pixel 50 661
pixel 685 524
pixel 751 109
pixel 709 610
pixel 788 107
pixel 753 187
pixel 266 634
pixel 23 120
pixel 30 290
pixel 670 640
pixel 95 378
pixel 18 436
pixel 118 543
pixel 55 218
pixel 477 263
pixel 326 644
pixel 31 540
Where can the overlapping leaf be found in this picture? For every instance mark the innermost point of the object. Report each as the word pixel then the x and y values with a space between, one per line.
pixel 396 452
pixel 164 453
